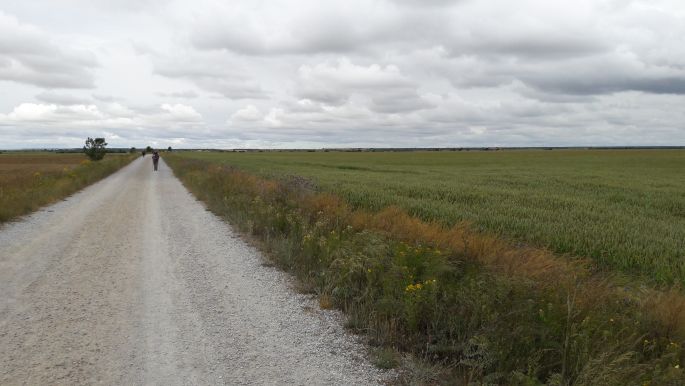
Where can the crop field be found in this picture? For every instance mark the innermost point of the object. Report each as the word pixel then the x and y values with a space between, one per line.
pixel 31 180
pixel 625 209
pixel 16 165
pixel 477 300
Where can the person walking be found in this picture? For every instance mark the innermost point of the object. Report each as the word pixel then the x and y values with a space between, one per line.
pixel 155 159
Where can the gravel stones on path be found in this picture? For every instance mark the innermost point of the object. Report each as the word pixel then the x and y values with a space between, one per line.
pixel 132 281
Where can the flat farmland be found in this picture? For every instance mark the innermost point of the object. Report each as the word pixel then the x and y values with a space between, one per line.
pixel 625 209
pixel 20 166
pixel 31 180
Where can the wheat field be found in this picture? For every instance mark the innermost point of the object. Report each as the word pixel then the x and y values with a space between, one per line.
pixel 625 209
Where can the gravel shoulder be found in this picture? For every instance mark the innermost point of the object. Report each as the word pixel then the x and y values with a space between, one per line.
pixel 132 281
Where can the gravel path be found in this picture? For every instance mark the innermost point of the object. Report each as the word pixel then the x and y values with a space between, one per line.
pixel 132 281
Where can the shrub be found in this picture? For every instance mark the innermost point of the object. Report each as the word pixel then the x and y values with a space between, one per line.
pixel 95 148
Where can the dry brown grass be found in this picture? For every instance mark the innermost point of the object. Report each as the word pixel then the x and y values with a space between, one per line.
pixel 498 254
pixel 668 308
pixel 495 253
pixel 43 160
pixel 547 271
pixel 31 180
pixel 21 168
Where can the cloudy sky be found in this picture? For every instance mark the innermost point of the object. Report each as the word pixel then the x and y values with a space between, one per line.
pixel 329 73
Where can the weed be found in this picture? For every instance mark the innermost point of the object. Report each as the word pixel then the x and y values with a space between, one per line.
pixel 385 358
pixel 452 296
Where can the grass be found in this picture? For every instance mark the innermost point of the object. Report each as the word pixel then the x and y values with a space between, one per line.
pixel 471 307
pixel 624 209
pixel 29 181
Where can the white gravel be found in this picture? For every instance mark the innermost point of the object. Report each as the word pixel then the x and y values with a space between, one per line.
pixel 132 281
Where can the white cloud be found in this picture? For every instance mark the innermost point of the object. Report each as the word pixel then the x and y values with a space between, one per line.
pixel 118 121
pixel 252 29
pixel 213 72
pixel 385 87
pixel 249 113
pixel 29 55
pixel 290 73
pixel 51 113
pixel 182 113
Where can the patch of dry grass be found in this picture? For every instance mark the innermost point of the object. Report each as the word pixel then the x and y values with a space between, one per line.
pixel 19 169
pixel 31 180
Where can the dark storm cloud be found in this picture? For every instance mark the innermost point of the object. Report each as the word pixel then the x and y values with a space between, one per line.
pixel 579 86
pixel 584 76
pixel 543 45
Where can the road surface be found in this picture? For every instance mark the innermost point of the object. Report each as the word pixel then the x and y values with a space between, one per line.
pixel 132 281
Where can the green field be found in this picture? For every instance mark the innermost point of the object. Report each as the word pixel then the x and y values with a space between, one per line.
pixel 470 307
pixel 623 208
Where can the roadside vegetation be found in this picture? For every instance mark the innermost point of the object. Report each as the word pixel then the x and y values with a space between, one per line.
pixel 624 209
pixel 29 181
pixel 466 304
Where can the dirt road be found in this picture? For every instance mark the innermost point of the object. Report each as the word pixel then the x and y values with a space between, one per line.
pixel 132 281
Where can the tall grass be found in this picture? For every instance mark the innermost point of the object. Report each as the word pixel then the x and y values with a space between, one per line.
pixel 30 181
pixel 482 310
pixel 623 209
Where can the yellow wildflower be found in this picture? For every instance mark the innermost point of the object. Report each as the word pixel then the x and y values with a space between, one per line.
pixel 413 287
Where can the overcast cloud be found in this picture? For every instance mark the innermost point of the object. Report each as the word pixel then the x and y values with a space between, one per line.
pixel 311 73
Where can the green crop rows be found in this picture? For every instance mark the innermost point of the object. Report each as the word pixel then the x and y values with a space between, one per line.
pixel 623 208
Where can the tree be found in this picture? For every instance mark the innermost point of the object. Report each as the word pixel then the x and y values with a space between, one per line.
pixel 169 149
pixel 95 148
pixel 148 149
pixel 133 150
